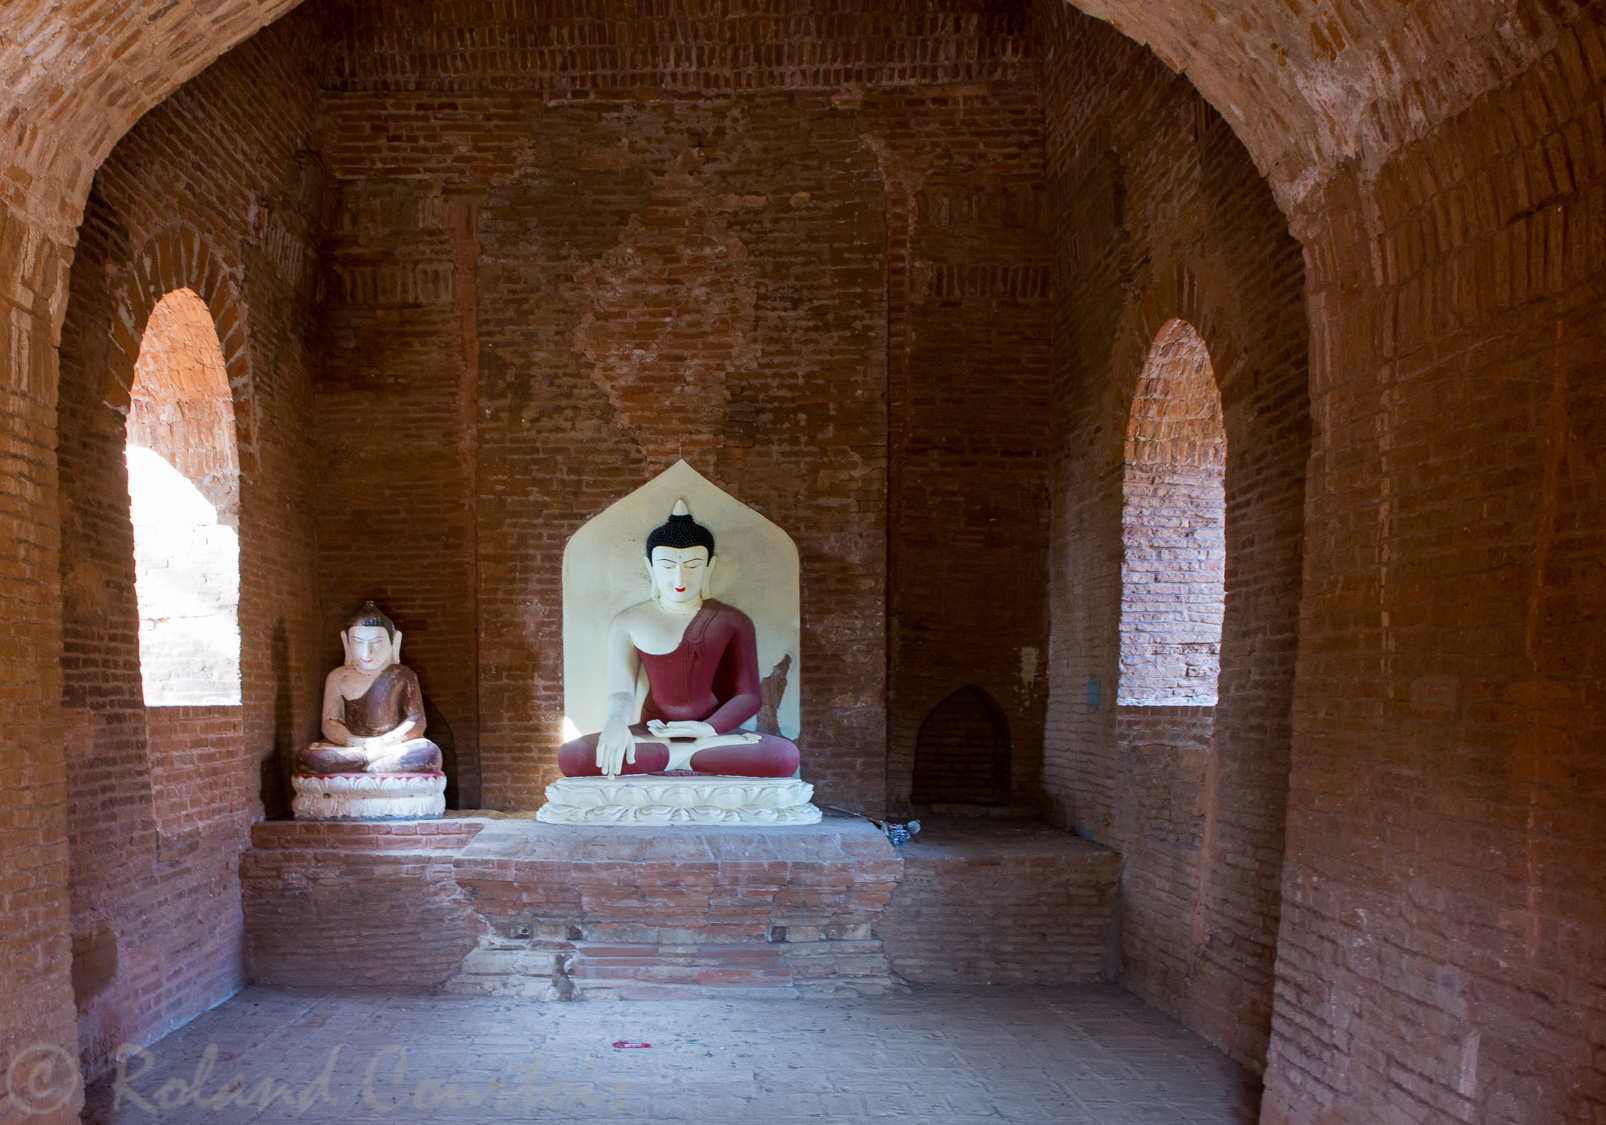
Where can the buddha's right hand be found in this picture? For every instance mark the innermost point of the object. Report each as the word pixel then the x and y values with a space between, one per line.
pixel 615 746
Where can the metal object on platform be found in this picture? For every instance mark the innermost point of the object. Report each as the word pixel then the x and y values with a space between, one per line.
pixel 897 834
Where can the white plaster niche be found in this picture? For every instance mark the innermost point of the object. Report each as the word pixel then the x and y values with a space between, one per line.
pixel 603 573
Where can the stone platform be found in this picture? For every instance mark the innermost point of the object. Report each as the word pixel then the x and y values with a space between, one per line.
pixel 514 907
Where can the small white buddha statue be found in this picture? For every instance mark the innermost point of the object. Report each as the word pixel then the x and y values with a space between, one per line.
pixel 373 709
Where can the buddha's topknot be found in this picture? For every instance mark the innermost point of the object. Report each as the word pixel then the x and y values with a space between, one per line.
pixel 680 531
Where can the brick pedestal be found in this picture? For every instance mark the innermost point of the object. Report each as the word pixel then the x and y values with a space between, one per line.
pixel 356 904
pixel 554 912
pixel 651 912
pixel 993 901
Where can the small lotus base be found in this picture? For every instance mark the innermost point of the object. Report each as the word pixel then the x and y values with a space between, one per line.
pixel 368 796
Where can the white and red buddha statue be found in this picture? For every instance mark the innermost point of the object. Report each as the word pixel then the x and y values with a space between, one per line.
pixel 687 759
pixel 373 759
pixel 701 659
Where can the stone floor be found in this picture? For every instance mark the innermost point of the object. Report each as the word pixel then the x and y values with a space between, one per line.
pixel 1080 1054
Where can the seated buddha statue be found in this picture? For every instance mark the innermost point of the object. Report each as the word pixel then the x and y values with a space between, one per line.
pixel 373 710
pixel 701 660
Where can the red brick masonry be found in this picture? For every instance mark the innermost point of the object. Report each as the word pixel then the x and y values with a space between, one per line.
pixel 512 907
pixel 986 900
pixel 515 907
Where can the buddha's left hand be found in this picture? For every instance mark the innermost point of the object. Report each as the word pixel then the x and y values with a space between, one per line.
pixel 680 730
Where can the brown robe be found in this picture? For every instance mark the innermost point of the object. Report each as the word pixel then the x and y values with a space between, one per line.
pixel 392 697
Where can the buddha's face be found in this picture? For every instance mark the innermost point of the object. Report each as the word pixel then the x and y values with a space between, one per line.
pixel 368 647
pixel 679 574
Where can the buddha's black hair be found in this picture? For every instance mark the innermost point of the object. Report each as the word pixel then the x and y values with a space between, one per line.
pixel 680 532
pixel 371 616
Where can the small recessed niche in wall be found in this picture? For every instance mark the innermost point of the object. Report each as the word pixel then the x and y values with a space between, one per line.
pixel 962 752
pixel 184 489
pixel 1173 517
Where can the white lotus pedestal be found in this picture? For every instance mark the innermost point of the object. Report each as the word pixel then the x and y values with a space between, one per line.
pixel 647 800
pixel 368 796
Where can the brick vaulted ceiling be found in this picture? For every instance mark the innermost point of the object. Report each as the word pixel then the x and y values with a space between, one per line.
pixel 1307 84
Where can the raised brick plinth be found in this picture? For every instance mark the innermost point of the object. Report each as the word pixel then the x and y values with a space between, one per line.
pixel 356 904
pixel 366 835
pixel 985 900
pixel 553 912
pixel 642 912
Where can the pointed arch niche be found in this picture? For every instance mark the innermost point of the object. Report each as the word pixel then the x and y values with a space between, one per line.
pixel 962 752
pixel 1173 522
pixel 757 572
pixel 184 499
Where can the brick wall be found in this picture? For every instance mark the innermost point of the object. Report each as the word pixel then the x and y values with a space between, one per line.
pixel 1446 675
pixel 36 1000
pixel 614 49
pixel 1165 817
pixel 1442 917
pixel 536 247
pixel 159 798
pixel 803 429
pixel 1160 215
pixel 969 287
pixel 395 428
pixel 559 435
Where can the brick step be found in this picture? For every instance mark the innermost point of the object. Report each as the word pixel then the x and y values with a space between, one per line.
pixel 997 901
pixel 712 954
pixel 365 835
pixel 645 972
pixel 682 974
pixel 651 990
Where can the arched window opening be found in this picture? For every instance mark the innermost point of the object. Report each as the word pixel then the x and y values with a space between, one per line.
pixel 962 752
pixel 183 490
pixel 1173 517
